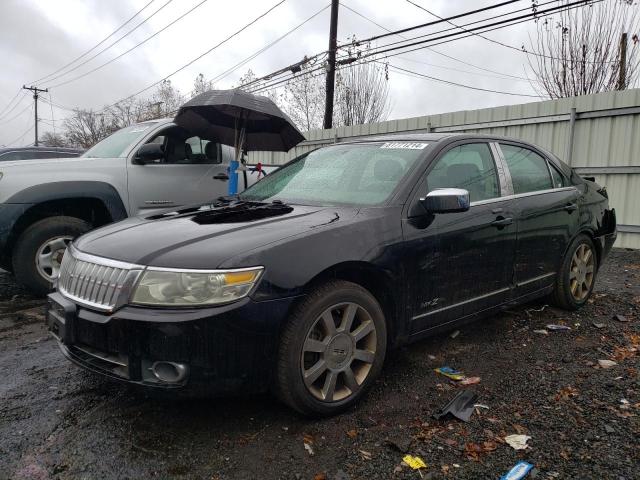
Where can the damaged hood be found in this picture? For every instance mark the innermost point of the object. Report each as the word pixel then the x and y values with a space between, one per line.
pixel 205 237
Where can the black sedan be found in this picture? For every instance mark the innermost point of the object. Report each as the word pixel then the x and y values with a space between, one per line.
pixel 302 283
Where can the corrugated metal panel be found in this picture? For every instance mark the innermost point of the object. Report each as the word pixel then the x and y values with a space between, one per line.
pixel 612 140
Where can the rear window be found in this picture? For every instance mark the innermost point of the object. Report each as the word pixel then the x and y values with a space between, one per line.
pixel 529 171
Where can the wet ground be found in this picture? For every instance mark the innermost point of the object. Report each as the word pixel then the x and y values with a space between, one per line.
pixel 58 422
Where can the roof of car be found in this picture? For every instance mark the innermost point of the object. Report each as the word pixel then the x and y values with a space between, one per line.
pixel 43 148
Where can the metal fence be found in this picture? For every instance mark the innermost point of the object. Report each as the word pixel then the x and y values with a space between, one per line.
pixel 597 134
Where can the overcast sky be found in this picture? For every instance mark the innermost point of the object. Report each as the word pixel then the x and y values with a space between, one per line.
pixel 37 37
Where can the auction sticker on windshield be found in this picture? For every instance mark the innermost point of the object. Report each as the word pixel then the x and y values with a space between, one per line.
pixel 404 145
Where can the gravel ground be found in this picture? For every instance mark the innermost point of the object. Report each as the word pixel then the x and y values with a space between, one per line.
pixel 58 422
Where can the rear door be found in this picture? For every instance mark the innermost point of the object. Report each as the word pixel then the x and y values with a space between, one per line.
pixel 191 172
pixel 547 215
pixel 461 263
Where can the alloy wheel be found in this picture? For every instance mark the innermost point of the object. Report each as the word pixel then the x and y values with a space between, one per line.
pixel 338 352
pixel 49 256
pixel 581 273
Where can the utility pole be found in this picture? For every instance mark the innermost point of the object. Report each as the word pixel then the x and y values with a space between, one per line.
pixel 35 91
pixel 622 79
pixel 331 65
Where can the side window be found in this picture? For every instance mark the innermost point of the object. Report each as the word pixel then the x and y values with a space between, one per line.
pixel 468 166
pixel 529 172
pixel 556 177
pixel 186 151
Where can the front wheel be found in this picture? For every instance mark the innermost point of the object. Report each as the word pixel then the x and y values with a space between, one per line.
pixel 39 250
pixel 331 350
pixel 577 276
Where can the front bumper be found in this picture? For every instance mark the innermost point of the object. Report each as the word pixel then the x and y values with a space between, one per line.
pixel 226 349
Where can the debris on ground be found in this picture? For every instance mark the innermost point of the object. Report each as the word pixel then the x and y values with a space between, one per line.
pixel 621 318
pixel 450 373
pixel 519 471
pixel 461 406
pixel 517 442
pixel 607 363
pixel 469 381
pixel 598 325
pixel 414 462
pixel 307 440
pixel 541 332
pixel 399 443
pixel 365 455
pixel 455 334
pixel 554 327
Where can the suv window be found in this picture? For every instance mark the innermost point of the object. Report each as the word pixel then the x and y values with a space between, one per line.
pixel 529 171
pixel 468 166
pixel 186 151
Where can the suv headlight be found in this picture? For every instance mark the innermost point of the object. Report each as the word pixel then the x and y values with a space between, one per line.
pixel 172 287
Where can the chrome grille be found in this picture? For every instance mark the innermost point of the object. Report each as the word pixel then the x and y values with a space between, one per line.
pixel 100 283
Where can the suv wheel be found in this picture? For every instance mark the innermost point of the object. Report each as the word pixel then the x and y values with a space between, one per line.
pixel 577 275
pixel 331 350
pixel 39 250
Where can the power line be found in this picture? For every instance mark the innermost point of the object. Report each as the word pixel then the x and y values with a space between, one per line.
pixel 29 105
pixel 10 102
pixel 497 42
pixel 496 25
pixel 97 44
pixel 255 54
pixel 499 74
pixel 111 44
pixel 237 32
pixel 445 39
pixel 428 77
pixel 130 50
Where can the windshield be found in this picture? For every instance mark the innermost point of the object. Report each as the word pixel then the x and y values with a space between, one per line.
pixel 363 174
pixel 114 145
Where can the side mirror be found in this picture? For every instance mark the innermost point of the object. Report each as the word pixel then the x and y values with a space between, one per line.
pixel 446 200
pixel 149 153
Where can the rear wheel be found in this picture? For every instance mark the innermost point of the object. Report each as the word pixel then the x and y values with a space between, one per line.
pixel 577 275
pixel 331 350
pixel 39 250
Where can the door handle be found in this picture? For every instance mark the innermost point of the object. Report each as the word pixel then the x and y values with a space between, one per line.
pixel 221 176
pixel 502 222
pixel 570 207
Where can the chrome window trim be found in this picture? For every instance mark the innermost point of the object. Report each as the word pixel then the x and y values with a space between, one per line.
pixel 535 279
pixel 521 195
pixel 499 158
pixel 480 297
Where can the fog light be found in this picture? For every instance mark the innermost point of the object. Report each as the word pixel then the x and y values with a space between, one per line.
pixel 169 372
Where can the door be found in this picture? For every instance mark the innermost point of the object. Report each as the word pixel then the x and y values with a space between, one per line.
pixel 547 216
pixel 192 171
pixel 460 263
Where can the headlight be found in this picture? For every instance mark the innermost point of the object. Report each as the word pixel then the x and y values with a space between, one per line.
pixel 193 287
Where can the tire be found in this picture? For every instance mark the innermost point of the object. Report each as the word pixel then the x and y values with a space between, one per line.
pixel 566 294
pixel 306 343
pixel 54 231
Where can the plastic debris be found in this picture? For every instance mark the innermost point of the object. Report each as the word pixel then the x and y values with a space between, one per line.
pixel 455 334
pixel 470 380
pixel 461 406
pixel 553 327
pixel 541 332
pixel 598 325
pixel 519 470
pixel 450 373
pixel 517 442
pixel 414 462
pixel 481 405
pixel 607 363
pixel 621 318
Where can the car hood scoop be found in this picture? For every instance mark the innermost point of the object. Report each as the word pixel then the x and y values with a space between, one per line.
pixel 228 212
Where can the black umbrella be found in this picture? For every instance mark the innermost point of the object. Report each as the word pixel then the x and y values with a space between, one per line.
pixel 243 120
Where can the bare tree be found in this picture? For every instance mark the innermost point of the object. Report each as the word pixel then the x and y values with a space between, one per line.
pixel 579 51
pixel 303 100
pixel 86 128
pixel 166 100
pixel 201 85
pixel 362 94
pixel 50 139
